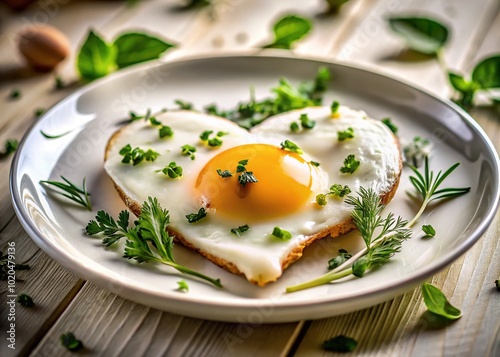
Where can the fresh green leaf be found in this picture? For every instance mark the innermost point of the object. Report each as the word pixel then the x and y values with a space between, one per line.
pixel 388 122
pixel 134 47
pixel 437 303
pixel 288 30
pixel 350 165
pixel 172 170
pixel 459 83
pixel 71 343
pixel 183 104
pixel 71 191
pixel 165 131
pixel 340 344
pixel 428 230
pixel 486 74
pixel 282 234
pixel 96 58
pixel 222 133
pixel 195 217
pixel 25 300
pixel 240 230
pixel 10 147
pixel 340 259
pixel 111 230
pixel 188 150
pixel 346 134
pixel 421 34
pixel 290 146
pixel 182 286
pixel 306 122
pixel 153 121
pixel 15 94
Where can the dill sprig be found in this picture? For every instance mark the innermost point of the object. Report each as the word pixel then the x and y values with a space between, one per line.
pixel 383 237
pixel 147 241
pixel 71 191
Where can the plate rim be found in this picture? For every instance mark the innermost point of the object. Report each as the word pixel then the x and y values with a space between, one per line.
pixel 100 278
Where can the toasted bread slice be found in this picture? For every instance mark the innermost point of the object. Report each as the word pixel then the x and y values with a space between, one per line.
pixel 385 160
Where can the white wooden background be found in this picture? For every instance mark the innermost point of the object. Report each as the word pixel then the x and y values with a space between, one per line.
pixel 111 326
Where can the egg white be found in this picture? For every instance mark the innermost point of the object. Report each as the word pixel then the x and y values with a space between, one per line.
pixel 256 253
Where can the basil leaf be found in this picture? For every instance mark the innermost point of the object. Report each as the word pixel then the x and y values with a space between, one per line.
pixel 487 73
pixel 138 47
pixel 421 34
pixel 96 58
pixel 288 30
pixel 459 83
pixel 437 303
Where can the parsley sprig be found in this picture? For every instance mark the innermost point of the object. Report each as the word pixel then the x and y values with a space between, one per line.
pixel 137 155
pixel 71 191
pixel 390 232
pixel 147 241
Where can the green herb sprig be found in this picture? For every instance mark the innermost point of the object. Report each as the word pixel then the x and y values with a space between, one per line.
pixel 71 191
pixel 147 241
pixel 137 155
pixel 391 232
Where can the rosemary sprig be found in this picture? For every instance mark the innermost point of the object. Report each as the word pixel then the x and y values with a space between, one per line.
pixel 427 185
pixel 71 191
pixel 366 217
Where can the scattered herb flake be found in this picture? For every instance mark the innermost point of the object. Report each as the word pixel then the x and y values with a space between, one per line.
pixel 335 108
pixel 294 126
pixel 225 173
pixel 69 341
pixel 15 94
pixel 172 170
pixel 247 177
pixel 39 112
pixel 182 286
pixel 165 131
pixel 339 190
pixel 314 163
pixel 183 104
pixel 282 234
pixel 290 146
pixel 10 146
pixel 188 150
pixel 240 230
pixel 321 199
pixel 25 300
pixel 341 343
pixel 137 155
pixel 195 217
pixel 339 259
pixel 388 122
pixel 306 122
pixel 350 165
pixel 346 134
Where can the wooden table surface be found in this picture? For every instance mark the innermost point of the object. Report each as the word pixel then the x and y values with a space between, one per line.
pixel 107 324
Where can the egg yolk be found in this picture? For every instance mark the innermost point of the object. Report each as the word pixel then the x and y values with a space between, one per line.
pixel 284 183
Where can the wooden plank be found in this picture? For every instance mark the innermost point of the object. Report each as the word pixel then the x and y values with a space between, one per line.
pixel 50 286
pixel 248 24
pixel 373 44
pixel 111 326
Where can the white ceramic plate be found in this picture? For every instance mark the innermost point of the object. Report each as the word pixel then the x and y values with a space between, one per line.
pixel 94 112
